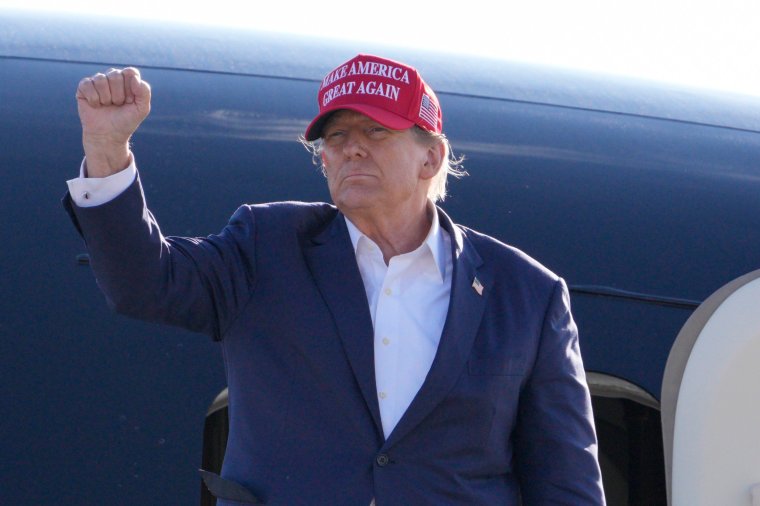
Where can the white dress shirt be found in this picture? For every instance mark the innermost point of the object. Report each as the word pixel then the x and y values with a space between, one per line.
pixel 408 300
pixel 94 191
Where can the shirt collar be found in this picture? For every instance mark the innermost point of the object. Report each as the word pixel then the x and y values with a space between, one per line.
pixel 434 242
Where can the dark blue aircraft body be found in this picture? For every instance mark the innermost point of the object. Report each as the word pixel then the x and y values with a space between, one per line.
pixel 645 198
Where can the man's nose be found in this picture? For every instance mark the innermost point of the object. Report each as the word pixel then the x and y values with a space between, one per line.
pixel 354 145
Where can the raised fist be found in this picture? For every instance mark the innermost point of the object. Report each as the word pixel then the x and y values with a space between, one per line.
pixel 111 107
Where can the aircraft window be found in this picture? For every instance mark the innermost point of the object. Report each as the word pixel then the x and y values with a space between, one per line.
pixel 215 431
pixel 630 452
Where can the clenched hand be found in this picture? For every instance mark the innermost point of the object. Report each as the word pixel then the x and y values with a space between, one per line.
pixel 111 107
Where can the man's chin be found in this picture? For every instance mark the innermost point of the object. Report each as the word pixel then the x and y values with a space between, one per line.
pixel 355 199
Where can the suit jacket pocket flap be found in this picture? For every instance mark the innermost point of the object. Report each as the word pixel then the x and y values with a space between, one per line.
pixel 227 489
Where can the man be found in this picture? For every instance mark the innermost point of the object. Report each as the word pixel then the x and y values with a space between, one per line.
pixel 375 351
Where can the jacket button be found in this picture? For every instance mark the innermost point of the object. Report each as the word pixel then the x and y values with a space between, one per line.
pixel 382 460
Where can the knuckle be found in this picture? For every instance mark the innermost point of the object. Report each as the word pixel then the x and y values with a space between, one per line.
pixel 132 71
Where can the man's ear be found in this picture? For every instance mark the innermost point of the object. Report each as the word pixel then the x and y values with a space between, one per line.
pixel 433 160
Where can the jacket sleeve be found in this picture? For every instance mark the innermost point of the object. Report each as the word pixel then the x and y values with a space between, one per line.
pixel 555 437
pixel 196 283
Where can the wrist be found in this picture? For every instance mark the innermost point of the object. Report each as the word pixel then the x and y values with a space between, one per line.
pixel 105 159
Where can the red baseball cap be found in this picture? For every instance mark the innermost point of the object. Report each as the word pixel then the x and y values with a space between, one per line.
pixel 389 92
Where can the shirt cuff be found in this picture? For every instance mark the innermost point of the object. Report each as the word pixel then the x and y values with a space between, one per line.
pixel 94 191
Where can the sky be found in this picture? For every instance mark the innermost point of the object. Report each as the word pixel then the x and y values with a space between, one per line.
pixel 697 43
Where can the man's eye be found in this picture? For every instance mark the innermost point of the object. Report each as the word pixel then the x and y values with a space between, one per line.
pixel 378 130
pixel 335 134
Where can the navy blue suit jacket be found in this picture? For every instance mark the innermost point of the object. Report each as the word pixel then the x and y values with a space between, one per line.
pixel 503 414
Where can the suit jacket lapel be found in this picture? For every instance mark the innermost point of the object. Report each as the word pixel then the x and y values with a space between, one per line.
pixel 332 261
pixel 466 307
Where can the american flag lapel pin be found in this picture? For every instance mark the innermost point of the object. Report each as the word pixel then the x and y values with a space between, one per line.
pixel 477 286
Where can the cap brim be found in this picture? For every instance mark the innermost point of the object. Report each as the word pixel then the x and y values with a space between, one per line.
pixel 385 118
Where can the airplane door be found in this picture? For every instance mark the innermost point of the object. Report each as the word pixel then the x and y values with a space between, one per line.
pixel 710 401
